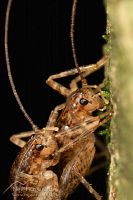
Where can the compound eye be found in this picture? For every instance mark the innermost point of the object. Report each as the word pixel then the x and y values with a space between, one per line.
pixel 84 101
pixel 39 147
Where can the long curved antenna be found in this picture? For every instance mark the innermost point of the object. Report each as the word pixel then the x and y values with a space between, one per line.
pixel 34 127
pixel 84 82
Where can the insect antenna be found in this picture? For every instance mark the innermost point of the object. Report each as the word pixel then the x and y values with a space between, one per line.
pixel 74 6
pixel 10 77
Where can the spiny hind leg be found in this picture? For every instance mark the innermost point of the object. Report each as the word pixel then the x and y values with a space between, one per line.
pixel 73 85
pixel 89 187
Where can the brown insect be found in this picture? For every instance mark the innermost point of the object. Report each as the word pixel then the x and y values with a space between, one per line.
pixel 56 158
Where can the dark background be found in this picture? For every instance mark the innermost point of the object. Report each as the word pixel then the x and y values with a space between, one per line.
pixel 39 45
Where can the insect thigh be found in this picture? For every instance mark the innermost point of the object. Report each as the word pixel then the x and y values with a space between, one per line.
pixel 79 163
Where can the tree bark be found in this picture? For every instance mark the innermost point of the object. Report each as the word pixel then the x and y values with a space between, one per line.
pixel 120 13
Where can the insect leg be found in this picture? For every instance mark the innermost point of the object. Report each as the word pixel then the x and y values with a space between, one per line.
pixel 96 168
pixel 107 114
pixel 88 186
pixel 17 138
pixel 57 86
pixel 87 69
pixel 54 114
pixel 79 162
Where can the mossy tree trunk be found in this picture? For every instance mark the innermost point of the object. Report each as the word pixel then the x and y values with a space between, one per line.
pixel 120 13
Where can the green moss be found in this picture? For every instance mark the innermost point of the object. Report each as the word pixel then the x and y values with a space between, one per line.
pixel 106 94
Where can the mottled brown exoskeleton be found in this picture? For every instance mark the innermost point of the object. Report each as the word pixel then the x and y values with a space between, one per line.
pixel 57 158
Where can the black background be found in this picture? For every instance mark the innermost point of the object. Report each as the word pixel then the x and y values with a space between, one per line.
pixel 39 45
